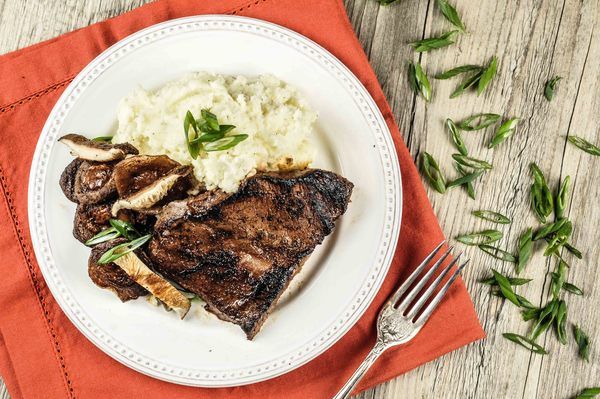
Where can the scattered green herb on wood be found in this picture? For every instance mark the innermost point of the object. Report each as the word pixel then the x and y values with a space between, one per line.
pixel 466 84
pixel 492 216
pixel 542 200
pixel 505 130
pixel 469 184
pixel 478 121
pixel 433 43
pixel 584 145
pixel 526 343
pixel 458 70
pixel 550 87
pixel 588 393
pixel 506 287
pixel 583 342
pixel 498 253
pixel 482 237
pixel 512 280
pixel 525 250
pixel 562 197
pixel 456 137
pixel 419 81
pixel 487 75
pixel 451 14
pixel 433 173
pixel 471 162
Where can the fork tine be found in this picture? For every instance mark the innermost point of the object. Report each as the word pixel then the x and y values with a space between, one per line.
pixel 402 289
pixel 436 300
pixel 419 286
pixel 425 296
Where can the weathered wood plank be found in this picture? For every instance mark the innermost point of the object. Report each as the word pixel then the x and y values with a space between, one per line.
pixel 533 41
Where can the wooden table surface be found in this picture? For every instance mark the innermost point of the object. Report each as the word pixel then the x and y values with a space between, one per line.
pixel 533 40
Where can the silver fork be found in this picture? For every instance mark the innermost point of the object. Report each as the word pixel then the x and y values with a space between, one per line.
pixel 396 323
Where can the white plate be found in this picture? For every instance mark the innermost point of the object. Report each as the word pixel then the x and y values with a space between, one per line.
pixel 339 280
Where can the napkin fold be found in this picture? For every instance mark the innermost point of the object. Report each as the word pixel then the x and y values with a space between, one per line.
pixel 43 355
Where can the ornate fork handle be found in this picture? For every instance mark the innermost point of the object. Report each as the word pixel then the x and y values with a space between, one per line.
pixel 377 350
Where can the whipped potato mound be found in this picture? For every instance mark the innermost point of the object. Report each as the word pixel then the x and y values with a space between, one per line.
pixel 273 114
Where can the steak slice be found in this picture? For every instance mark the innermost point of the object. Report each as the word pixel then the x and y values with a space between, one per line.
pixel 240 251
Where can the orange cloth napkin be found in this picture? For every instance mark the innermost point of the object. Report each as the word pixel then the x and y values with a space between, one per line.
pixel 42 355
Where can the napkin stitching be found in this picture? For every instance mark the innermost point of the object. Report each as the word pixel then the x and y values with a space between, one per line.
pixel 34 282
pixel 247 6
pixel 12 106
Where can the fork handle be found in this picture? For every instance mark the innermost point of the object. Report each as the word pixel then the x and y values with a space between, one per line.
pixel 360 372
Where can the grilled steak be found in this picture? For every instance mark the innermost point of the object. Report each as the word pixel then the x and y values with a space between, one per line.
pixel 240 251
pixel 111 276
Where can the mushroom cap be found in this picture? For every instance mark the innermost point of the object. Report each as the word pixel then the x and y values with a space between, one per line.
pixel 90 150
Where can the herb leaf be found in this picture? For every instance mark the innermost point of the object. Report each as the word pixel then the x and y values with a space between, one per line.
pixel 103 236
pixel 465 179
pixel 469 184
pixel 456 137
pixel 419 81
pixel 482 237
pixel 588 393
pixel 124 228
pixel 492 216
pixel 584 145
pixel 450 13
pixel 583 342
pixel 525 343
pixel 505 130
pixel 550 86
pixel 386 2
pixel 471 162
pixel 572 288
pixel 573 250
pixel 525 250
pixel 545 319
pixel 558 278
pixel 487 75
pixel 561 322
pixel 105 139
pixel 506 288
pixel 562 197
pixel 190 122
pixel 117 251
pixel 542 200
pixel 478 121
pixel 498 253
pixel 433 43
pixel 225 143
pixel 466 84
pixel 457 71
pixel 432 171
pixel 511 280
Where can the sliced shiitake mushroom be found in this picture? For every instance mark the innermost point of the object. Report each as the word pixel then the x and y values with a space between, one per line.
pixel 137 172
pixel 67 179
pixel 163 290
pixel 90 219
pixel 90 150
pixel 94 183
pixel 167 188
pixel 112 276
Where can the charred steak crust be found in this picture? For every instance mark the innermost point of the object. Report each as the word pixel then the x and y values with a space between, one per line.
pixel 240 251
pixel 111 276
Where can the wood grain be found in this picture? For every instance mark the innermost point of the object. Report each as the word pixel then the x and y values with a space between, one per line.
pixel 534 41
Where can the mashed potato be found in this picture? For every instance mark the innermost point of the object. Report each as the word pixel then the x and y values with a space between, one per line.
pixel 276 118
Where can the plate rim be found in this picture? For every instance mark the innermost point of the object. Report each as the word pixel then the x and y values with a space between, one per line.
pixel 390 229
